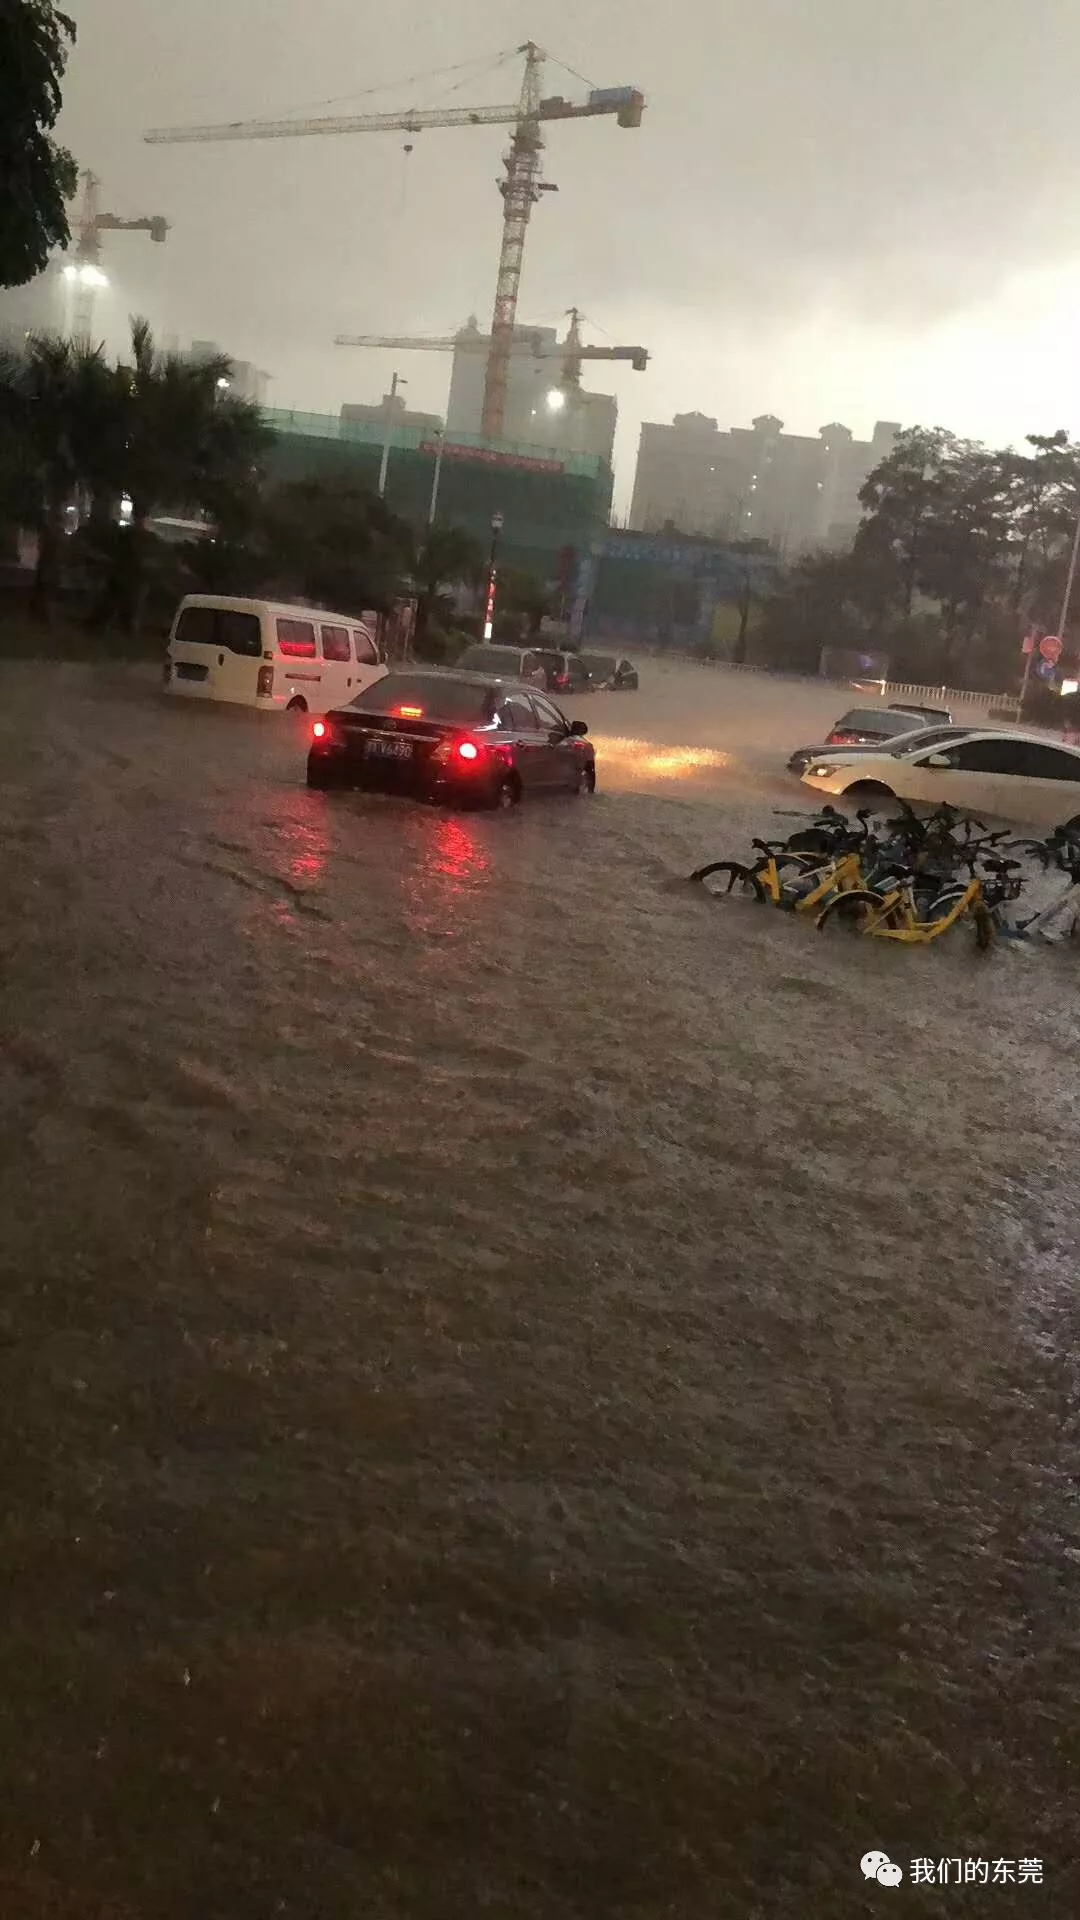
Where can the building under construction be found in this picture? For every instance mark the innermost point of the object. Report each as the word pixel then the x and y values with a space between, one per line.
pixel 551 502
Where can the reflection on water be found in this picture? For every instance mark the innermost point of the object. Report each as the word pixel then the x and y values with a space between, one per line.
pixel 654 758
pixel 453 865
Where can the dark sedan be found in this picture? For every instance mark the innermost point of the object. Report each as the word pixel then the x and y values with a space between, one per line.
pixel 470 738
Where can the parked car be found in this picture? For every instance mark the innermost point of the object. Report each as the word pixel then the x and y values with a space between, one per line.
pixel 509 663
pixel 608 673
pixel 858 725
pixel 566 672
pixel 1022 776
pixel 934 716
pixel 470 738
pixel 257 653
pixel 920 736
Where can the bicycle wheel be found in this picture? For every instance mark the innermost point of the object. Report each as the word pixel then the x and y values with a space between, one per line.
pixel 852 910
pixel 729 877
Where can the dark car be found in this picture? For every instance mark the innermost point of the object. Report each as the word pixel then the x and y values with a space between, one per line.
pixel 470 738
pixel 934 716
pixel 918 735
pixel 566 672
pixel 608 673
pixel 859 726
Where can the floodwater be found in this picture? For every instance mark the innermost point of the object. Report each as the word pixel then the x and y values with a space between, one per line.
pixel 527 1390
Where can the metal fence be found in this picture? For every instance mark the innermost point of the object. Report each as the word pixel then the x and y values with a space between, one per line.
pixel 895 689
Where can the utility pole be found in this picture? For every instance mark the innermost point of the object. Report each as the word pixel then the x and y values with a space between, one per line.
pixel 440 442
pixel 394 385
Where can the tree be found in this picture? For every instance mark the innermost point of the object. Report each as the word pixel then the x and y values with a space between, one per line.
pixel 57 403
pixel 445 557
pixel 337 545
pixel 36 175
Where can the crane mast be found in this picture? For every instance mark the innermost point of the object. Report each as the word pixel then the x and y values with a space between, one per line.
pixel 84 271
pixel 521 187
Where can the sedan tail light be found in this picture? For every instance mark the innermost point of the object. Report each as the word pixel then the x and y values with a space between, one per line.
pixel 465 753
pixel 323 734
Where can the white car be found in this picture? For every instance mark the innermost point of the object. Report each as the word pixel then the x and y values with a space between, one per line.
pixel 1021 776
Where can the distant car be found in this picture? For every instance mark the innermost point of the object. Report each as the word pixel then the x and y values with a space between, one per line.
pixel 919 736
pixel 607 673
pixel 566 672
pixel 858 726
pixel 512 663
pixel 934 716
pixel 1022 776
pixel 469 738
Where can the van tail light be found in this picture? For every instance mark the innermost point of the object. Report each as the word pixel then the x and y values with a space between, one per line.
pixel 166 672
pixel 264 683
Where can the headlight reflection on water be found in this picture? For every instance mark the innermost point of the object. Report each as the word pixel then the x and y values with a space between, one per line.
pixel 656 758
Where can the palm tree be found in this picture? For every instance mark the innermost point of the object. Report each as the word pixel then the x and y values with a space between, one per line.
pixel 57 402
pixel 181 441
pixel 446 557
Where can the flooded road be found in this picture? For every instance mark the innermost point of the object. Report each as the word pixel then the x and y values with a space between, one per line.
pixel 526 1390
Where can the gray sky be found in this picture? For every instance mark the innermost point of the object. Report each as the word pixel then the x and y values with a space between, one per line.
pixel 835 209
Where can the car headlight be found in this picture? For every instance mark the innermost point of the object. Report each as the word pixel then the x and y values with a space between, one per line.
pixel 821 772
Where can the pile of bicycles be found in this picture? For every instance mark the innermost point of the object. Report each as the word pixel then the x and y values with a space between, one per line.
pixel 909 879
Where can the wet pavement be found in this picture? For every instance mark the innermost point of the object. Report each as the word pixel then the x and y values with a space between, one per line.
pixel 525 1389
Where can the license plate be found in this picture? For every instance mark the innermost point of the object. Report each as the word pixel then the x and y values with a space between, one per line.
pixel 389 749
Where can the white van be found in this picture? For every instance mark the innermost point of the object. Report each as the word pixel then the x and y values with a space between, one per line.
pixel 256 653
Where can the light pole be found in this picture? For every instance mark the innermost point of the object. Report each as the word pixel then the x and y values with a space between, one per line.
pixel 489 611
pixel 440 441
pixel 394 385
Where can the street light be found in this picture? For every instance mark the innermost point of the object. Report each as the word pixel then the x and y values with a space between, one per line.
pixel 395 383
pixel 489 611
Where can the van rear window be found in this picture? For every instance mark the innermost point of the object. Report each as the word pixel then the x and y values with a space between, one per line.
pixel 195 626
pixel 296 639
pixel 221 627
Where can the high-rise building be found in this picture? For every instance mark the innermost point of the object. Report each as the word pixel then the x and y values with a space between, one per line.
pixel 540 412
pixel 796 491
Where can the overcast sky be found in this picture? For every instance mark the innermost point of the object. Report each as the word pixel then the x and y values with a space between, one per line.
pixel 834 209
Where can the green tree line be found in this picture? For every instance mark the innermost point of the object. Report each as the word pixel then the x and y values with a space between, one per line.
pixel 962 548
pixel 164 435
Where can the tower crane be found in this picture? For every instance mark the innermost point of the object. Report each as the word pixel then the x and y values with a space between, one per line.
pixel 520 185
pixel 572 351
pixel 84 272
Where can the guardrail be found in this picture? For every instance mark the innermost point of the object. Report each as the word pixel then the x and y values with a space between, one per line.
pixel 928 696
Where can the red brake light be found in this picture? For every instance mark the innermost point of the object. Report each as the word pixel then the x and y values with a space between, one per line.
pixel 468 750
pixel 410 713
pixel 318 728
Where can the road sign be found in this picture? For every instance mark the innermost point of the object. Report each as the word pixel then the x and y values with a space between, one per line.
pixel 1050 648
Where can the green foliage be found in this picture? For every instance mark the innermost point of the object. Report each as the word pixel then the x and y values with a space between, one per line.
pixel 75 430
pixel 36 175
pixel 961 547
pixel 337 546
